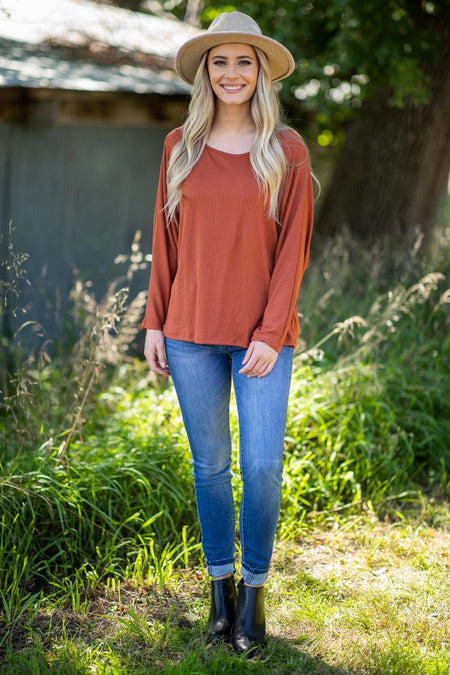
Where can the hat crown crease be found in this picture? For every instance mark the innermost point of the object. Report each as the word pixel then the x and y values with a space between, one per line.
pixel 234 22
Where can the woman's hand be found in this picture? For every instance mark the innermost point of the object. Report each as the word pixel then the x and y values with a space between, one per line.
pixel 259 359
pixel 155 353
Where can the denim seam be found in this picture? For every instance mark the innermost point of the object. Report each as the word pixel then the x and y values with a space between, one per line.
pixel 244 483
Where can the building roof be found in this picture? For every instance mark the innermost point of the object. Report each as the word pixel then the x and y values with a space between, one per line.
pixel 82 45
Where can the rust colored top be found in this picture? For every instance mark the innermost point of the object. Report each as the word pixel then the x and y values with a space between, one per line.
pixel 228 274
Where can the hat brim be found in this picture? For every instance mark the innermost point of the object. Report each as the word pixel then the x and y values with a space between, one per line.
pixel 189 55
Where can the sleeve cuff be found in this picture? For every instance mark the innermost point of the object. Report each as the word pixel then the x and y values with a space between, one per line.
pixel 147 324
pixel 261 336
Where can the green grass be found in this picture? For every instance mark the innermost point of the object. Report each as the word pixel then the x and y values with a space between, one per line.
pixel 100 564
pixel 362 597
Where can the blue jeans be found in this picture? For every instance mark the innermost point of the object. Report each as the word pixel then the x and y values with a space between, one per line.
pixel 202 376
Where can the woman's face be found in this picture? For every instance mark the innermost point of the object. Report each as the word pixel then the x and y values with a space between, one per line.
pixel 233 72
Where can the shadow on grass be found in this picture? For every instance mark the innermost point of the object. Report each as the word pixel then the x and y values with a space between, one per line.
pixel 152 633
pixel 290 655
pixel 279 657
pixel 182 650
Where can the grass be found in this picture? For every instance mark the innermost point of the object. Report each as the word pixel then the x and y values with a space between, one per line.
pixel 100 566
pixel 359 597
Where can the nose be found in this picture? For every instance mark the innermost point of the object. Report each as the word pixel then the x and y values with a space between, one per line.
pixel 231 71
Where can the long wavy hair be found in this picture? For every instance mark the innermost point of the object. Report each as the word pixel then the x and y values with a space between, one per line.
pixel 266 154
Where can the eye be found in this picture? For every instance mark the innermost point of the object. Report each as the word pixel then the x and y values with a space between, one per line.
pixel 245 62
pixel 219 62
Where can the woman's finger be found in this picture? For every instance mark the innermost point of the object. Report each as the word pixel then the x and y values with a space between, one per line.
pixel 259 360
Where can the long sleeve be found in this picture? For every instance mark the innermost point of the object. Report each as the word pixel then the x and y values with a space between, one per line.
pixel 164 252
pixel 292 253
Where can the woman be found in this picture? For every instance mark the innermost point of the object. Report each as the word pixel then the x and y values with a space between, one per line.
pixel 232 230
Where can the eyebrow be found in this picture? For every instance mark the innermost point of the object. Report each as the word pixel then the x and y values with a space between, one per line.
pixel 243 56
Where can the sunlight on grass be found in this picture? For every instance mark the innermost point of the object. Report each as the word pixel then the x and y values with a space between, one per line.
pixel 355 600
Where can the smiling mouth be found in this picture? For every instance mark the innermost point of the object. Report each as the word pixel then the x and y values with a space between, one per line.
pixel 232 87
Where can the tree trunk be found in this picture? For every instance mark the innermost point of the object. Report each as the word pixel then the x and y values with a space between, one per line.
pixel 392 172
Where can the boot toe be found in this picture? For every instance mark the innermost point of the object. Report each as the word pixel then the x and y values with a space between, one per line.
pixel 220 631
pixel 243 645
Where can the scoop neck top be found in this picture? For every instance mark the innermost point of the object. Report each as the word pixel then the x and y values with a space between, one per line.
pixel 230 154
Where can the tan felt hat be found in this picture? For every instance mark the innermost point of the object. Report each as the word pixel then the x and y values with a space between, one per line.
pixel 233 27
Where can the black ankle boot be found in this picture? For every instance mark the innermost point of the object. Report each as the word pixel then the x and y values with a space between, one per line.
pixel 223 609
pixel 250 627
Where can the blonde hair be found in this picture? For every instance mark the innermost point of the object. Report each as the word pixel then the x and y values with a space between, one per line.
pixel 266 154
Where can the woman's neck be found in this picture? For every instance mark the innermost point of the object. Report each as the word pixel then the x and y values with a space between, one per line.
pixel 233 129
pixel 234 118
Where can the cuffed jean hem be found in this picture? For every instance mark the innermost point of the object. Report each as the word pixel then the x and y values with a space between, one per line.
pixel 221 569
pixel 253 578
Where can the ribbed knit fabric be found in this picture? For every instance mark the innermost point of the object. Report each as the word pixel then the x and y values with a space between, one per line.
pixel 227 274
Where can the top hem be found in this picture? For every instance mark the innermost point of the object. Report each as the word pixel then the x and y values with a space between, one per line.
pixel 226 341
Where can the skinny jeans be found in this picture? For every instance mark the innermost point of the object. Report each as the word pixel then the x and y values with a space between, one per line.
pixel 202 376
